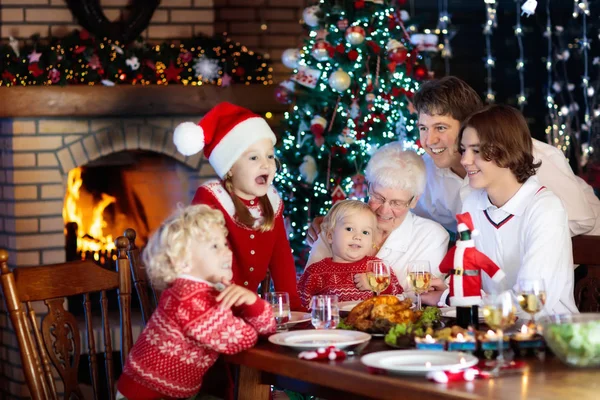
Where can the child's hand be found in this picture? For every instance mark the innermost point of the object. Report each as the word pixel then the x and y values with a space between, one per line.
pixel 361 282
pixel 235 296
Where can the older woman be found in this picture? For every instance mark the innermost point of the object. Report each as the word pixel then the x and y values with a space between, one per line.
pixel 396 180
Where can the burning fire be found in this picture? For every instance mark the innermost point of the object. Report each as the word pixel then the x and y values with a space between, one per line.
pixel 78 203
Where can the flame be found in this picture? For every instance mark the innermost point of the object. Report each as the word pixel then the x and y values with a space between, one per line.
pixel 90 236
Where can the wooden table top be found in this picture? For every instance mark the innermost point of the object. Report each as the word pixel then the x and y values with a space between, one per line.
pixel 547 379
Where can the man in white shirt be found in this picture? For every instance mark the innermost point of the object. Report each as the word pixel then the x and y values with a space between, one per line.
pixel 442 105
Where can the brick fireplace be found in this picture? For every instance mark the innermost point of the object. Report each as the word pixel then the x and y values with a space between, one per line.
pixel 54 130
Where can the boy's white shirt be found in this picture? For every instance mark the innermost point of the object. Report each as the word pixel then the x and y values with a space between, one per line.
pixel 415 239
pixel 445 192
pixel 533 243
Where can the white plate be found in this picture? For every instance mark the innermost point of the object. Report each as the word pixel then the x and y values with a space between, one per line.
pixel 418 362
pixel 450 312
pixel 298 316
pixel 311 339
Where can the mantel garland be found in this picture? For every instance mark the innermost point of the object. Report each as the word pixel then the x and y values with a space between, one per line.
pixel 81 59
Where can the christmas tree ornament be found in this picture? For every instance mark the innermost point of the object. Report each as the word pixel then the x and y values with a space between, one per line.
pixel 396 51
pixel 14 45
pixel 346 136
pixel 34 57
pixel 186 57
pixel 308 169
pixel 307 77
pixel 528 7
pixel 320 50
pixel 355 35
pixel 35 70
pixel 360 187
pixel 352 55
pixel 425 42
pixel 339 80
pixel 404 15
pixel 207 68
pixel 283 92
pixel 465 264
pixel 317 125
pixel 354 109
pixel 421 72
pixel 342 24
pixel 133 62
pixel 337 194
pixel 226 80
pixel 291 57
pixel 54 75
pixel 310 16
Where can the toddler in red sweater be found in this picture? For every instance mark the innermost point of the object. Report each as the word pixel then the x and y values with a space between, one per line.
pixel 200 314
pixel 349 228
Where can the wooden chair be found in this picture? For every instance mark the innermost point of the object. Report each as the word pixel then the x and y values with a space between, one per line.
pixel 57 343
pixel 146 293
pixel 586 251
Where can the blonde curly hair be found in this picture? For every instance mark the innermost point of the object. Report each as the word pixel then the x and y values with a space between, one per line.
pixel 342 209
pixel 165 255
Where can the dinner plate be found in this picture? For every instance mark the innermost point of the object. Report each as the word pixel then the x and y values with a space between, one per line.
pixel 419 362
pixel 311 339
pixel 298 316
pixel 450 312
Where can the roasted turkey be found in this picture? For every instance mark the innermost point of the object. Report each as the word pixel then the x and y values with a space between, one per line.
pixel 386 307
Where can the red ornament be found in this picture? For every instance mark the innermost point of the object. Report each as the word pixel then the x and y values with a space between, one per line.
pixel 172 73
pixel 35 69
pixel 8 75
pixel 79 49
pixel 322 50
pixel 399 55
pixel 186 57
pixel 317 125
pixel 421 72
pixel 84 35
pixel 359 4
pixel 340 48
pixel 352 55
pixel 374 46
pixel 355 35
pixel 337 194
pixel 240 71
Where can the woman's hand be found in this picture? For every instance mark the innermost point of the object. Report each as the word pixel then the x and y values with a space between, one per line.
pixel 437 284
pixel 361 282
pixel 313 231
pixel 432 298
pixel 235 296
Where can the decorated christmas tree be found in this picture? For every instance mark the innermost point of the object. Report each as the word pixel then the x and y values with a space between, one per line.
pixel 349 94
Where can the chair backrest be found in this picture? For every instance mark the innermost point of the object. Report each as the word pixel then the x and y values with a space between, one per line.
pixel 586 251
pixel 146 293
pixel 57 343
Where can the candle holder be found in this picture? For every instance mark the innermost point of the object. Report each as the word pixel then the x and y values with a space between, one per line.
pixel 488 344
pixel 462 342
pixel 429 343
pixel 527 342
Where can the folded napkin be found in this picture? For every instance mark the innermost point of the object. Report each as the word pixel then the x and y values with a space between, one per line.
pixel 323 353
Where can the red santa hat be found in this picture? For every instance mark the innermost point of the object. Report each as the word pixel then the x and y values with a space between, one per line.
pixel 465 223
pixel 224 133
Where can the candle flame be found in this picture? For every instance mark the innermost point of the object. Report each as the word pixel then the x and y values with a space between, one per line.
pixel 460 337
pixel 491 333
pixel 429 339
pixel 524 329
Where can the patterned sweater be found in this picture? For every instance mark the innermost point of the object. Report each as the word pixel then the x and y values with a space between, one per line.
pixel 183 340
pixel 329 277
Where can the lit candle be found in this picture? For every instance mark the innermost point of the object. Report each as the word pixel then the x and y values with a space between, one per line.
pixel 462 343
pixel 525 334
pixel 429 343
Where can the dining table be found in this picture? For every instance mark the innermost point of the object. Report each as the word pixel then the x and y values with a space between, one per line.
pixel 543 376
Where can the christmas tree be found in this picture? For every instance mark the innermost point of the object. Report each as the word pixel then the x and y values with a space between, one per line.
pixel 349 94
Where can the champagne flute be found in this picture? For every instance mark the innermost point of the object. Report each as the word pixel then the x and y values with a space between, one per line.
pixel 324 311
pixel 419 276
pixel 378 276
pixel 500 312
pixel 531 296
pixel 280 303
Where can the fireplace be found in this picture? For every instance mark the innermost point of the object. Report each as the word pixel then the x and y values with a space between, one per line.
pixel 117 143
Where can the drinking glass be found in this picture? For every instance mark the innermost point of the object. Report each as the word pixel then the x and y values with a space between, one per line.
pixel 378 275
pixel 499 311
pixel 280 303
pixel 419 276
pixel 324 311
pixel 531 296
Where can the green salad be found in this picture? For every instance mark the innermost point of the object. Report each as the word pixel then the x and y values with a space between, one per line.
pixel 577 343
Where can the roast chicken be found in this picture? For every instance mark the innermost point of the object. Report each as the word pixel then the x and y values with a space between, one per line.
pixel 368 315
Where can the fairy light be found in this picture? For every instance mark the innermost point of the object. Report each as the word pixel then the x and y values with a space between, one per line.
pixel 490 24
pixel 521 98
pixel 553 129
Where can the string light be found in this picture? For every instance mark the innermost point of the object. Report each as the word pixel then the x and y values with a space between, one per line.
pixel 490 24
pixel 521 98
pixel 443 29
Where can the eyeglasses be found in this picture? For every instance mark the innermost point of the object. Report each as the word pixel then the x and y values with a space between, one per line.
pixel 394 204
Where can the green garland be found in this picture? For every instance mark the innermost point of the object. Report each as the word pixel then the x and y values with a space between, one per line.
pixel 81 59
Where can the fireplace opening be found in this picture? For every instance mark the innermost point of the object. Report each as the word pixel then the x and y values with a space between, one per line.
pixel 129 189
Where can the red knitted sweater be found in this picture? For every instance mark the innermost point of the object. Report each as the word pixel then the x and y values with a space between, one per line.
pixel 329 277
pixel 183 340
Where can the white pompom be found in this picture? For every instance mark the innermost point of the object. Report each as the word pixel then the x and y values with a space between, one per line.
pixel 188 138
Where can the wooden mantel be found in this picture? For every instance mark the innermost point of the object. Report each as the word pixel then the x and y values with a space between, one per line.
pixel 128 100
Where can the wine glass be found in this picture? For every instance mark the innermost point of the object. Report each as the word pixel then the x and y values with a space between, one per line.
pixel 324 311
pixel 531 296
pixel 378 276
pixel 419 275
pixel 280 303
pixel 499 311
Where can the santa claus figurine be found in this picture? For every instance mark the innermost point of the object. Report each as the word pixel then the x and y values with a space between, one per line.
pixel 464 264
